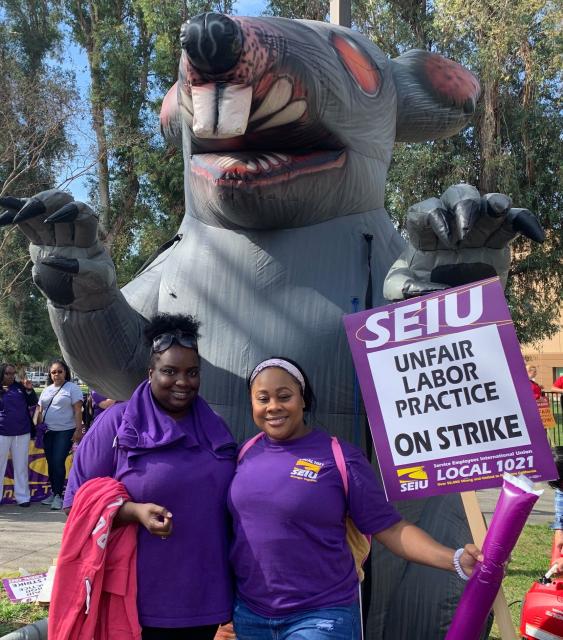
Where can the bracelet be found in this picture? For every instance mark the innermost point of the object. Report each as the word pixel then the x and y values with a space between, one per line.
pixel 457 566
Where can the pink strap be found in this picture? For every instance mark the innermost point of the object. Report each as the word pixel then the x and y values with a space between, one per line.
pixel 341 466
pixel 246 446
pixel 340 462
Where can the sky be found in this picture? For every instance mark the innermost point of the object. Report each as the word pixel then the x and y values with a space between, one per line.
pixel 75 177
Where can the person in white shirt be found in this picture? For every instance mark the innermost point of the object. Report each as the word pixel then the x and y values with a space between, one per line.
pixel 61 410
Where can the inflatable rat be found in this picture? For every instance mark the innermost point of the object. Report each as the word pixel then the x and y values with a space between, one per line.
pixel 287 129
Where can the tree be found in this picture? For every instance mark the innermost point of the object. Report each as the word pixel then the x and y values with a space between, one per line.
pixel 133 51
pixel 513 145
pixel 512 46
pixel 36 103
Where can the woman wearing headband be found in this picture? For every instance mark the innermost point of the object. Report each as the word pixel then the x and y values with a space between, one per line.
pixel 295 574
pixel 176 459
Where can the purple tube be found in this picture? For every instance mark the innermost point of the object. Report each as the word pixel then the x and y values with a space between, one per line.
pixel 513 508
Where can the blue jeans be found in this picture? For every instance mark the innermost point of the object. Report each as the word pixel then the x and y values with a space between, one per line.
pixel 57 445
pixel 558 523
pixel 332 623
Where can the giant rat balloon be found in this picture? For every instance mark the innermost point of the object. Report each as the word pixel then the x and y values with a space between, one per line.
pixel 287 129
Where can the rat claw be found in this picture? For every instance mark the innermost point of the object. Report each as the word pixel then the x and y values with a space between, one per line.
pixel 31 209
pixel 10 202
pixel 68 213
pixel 466 213
pixel 7 218
pixel 526 223
pixel 496 204
pixel 439 223
pixel 68 265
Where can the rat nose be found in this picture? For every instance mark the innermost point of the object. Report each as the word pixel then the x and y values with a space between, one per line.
pixel 212 41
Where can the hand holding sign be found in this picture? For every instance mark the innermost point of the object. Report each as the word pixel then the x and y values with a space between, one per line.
pixel 457 239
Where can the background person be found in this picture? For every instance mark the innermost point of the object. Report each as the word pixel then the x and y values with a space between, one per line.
pixel 99 403
pixel 537 389
pixel 15 429
pixel 557 387
pixel 176 458
pixel 295 574
pixel 558 526
pixel 60 408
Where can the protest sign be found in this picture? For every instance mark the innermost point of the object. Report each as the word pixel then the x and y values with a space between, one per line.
pixel 546 414
pixel 39 486
pixel 446 393
pixel 24 589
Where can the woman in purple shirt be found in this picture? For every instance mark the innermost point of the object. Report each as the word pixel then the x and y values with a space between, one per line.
pixel 15 429
pixel 295 574
pixel 176 459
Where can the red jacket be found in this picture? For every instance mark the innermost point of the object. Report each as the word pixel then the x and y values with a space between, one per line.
pixel 95 589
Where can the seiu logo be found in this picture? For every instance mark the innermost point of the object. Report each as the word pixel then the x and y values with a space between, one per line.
pixel 306 469
pixel 412 478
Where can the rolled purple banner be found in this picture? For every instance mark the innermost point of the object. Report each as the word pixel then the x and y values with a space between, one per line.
pixel 516 500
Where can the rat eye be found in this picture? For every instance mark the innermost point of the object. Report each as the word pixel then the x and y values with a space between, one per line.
pixel 358 63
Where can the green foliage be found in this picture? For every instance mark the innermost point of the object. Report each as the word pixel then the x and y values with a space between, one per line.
pixel 530 560
pixel 513 49
pixel 304 9
pixel 32 144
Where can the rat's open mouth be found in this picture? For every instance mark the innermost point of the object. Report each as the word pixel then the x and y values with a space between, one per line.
pixel 263 167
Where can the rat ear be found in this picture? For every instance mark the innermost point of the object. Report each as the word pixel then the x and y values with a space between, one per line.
pixel 170 117
pixel 436 97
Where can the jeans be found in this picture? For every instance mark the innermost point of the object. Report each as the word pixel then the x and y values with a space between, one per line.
pixel 331 623
pixel 57 445
pixel 558 523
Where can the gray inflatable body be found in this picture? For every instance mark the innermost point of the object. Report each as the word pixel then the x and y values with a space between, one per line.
pixel 287 129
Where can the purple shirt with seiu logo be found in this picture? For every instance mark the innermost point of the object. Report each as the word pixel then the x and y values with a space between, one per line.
pixel 185 466
pixel 288 506
pixel 14 416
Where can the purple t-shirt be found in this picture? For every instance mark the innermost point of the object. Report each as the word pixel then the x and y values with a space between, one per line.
pixel 187 467
pixel 96 399
pixel 14 414
pixel 288 506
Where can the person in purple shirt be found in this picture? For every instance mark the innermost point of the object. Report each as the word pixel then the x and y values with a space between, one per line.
pixel 15 429
pixel 295 574
pixel 99 403
pixel 176 458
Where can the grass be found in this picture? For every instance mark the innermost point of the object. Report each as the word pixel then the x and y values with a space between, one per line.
pixel 530 559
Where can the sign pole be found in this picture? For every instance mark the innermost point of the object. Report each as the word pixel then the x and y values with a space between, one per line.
pixel 341 12
pixel 478 531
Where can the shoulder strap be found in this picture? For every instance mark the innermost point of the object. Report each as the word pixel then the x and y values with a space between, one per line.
pixel 246 446
pixel 50 403
pixel 340 462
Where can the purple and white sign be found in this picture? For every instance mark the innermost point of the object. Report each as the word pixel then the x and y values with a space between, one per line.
pixel 446 393
pixel 26 588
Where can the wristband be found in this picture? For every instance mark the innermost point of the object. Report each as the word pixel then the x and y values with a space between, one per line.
pixel 457 566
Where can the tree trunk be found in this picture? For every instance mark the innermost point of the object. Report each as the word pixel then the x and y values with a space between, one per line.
pixel 528 93
pixel 488 137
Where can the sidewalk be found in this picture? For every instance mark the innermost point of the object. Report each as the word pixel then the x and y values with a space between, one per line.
pixel 30 538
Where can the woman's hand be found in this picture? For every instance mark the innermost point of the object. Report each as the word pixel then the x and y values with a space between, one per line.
pixel 78 434
pixel 157 520
pixel 470 556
